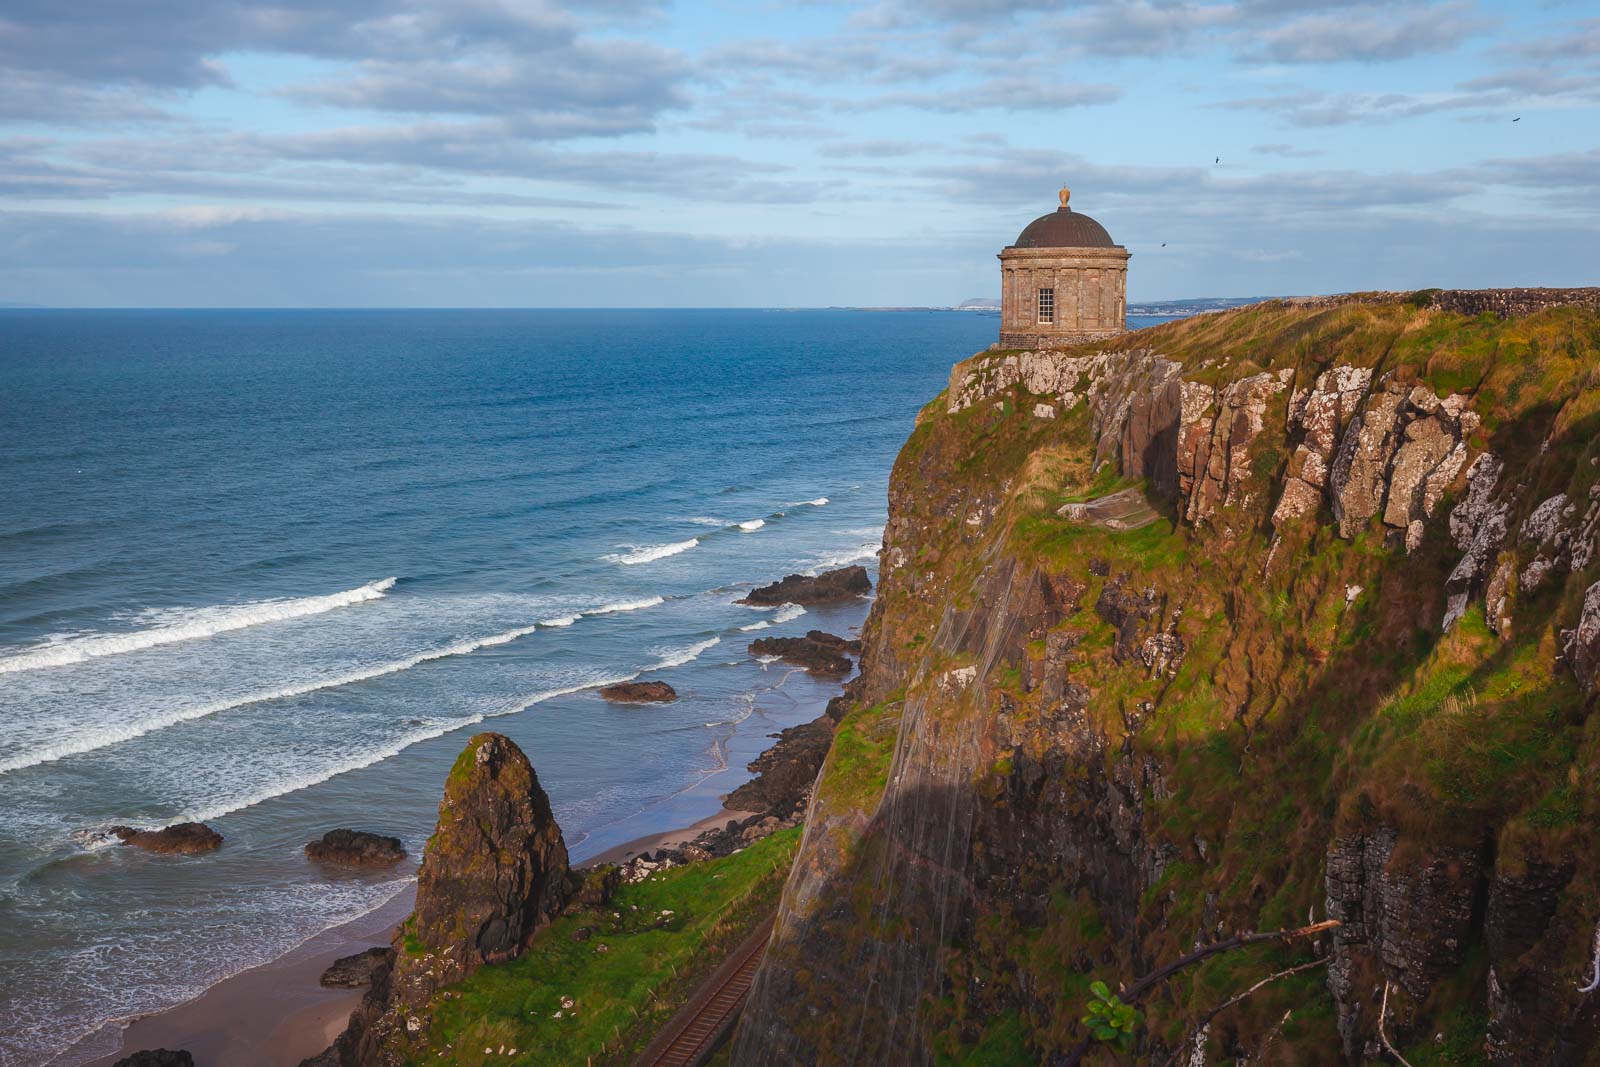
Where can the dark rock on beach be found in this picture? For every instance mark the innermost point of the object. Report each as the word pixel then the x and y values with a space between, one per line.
pixel 356 848
pixel 157 1057
pixel 356 972
pixel 639 692
pixel 785 772
pixel 846 583
pixel 182 838
pixel 817 652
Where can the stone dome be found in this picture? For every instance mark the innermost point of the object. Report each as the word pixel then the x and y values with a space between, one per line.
pixel 1064 228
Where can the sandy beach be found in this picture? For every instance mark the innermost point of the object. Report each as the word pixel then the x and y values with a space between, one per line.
pixel 278 1014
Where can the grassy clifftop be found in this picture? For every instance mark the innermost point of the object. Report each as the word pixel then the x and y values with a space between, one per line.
pixel 1344 674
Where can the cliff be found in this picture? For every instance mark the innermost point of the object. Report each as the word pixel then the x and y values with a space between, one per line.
pixel 1279 615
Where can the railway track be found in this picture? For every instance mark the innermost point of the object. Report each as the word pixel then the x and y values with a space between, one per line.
pixel 707 1019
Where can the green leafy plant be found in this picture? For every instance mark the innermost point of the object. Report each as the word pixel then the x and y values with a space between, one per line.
pixel 1109 1020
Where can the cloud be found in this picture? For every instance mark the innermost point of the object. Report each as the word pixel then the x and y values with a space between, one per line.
pixel 879 149
pixel 1003 94
pixel 1370 33
pixel 420 56
pixel 423 163
pixel 584 89
pixel 1583 42
pixel 1285 151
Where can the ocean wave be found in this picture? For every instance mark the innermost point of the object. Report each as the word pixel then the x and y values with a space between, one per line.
pixel 626 605
pixel 650 553
pixel 788 613
pixel 752 525
pixel 118 733
pixel 195 624
pixel 858 554
pixel 819 502
pixel 707 520
pixel 685 655
pixel 762 625
pixel 427 731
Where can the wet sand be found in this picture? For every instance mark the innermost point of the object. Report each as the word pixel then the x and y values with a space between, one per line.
pixel 278 1014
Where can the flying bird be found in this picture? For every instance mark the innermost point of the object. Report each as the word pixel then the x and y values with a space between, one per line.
pixel 1218 159
pixel 1517 119
pixel 1163 244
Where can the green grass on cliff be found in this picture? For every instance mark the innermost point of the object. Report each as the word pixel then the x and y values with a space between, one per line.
pixel 643 957
pixel 1318 696
pixel 858 764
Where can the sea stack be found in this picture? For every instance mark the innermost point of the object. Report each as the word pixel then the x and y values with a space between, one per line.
pixel 493 872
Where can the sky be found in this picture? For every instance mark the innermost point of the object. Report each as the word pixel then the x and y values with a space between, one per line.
pixel 628 153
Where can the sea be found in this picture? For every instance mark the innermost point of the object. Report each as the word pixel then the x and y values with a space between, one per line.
pixel 270 570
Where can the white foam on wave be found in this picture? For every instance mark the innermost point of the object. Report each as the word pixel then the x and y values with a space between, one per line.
pixel 106 735
pixel 752 525
pixel 427 731
pixel 627 605
pixel 685 655
pixel 788 613
pixel 190 625
pixel 842 559
pixel 707 520
pixel 762 625
pixel 819 502
pixel 649 553
pixel 117 733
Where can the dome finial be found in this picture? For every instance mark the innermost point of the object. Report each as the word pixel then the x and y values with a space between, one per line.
pixel 1066 194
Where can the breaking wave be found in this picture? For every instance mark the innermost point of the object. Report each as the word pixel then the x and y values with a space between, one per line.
pixel 650 553
pixel 685 655
pixel 426 732
pixel 842 559
pixel 117 733
pixel 194 624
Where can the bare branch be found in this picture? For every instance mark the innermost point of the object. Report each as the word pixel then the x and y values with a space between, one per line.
pixel 1137 990
pixel 1383 1016
pixel 1594 965
pixel 1205 1020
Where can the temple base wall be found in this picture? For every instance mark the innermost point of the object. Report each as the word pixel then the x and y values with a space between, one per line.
pixel 1036 341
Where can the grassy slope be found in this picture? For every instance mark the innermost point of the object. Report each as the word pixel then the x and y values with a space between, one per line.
pixel 661 937
pixel 1294 717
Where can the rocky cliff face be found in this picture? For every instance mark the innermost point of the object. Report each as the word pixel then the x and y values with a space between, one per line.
pixel 492 873
pixel 1347 674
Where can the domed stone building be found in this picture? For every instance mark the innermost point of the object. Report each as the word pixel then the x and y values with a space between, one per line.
pixel 1064 281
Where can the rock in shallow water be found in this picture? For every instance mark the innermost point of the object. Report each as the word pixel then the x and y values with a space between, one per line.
pixel 817 652
pixel 353 972
pixel 845 583
pixel 182 838
pixel 639 692
pixel 356 848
